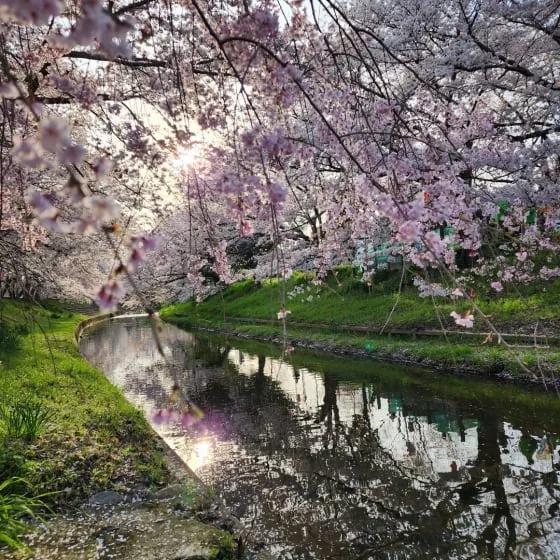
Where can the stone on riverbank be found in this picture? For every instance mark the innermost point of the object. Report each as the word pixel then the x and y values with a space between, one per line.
pixel 142 531
pixel 106 498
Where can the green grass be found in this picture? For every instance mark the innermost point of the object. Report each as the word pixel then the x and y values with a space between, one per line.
pixel 91 438
pixel 343 300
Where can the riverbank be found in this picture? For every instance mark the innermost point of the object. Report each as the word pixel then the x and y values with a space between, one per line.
pixel 345 316
pixel 87 445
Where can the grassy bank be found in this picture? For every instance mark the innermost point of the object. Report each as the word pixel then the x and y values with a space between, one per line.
pixel 329 312
pixel 88 437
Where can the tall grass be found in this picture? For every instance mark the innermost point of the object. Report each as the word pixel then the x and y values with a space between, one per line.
pixel 24 419
pixel 16 509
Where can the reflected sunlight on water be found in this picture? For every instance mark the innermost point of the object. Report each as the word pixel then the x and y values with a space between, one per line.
pixel 201 454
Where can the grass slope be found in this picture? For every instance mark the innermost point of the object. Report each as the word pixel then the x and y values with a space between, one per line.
pixel 344 300
pixel 94 439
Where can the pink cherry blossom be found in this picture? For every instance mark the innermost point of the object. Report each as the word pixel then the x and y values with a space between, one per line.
pixel 102 167
pixel 109 295
pixel 86 225
pixel 8 90
pixel 277 192
pixel 466 320
pixel 31 11
pixel 409 232
pixel 72 154
pixel 103 208
pixel 497 286
pixel 28 153
pixel 246 228
pixel 42 204
pixel 53 135
pixel 187 419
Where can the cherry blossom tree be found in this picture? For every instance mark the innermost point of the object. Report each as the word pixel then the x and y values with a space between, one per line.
pixel 318 127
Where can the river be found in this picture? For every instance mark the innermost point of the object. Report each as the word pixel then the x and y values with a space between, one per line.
pixel 323 457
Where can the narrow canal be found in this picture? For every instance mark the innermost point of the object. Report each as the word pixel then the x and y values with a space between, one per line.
pixel 323 458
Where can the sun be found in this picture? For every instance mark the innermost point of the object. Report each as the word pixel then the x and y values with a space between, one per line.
pixel 188 155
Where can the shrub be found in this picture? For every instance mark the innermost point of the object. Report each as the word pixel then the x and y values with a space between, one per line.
pixel 24 419
pixel 9 338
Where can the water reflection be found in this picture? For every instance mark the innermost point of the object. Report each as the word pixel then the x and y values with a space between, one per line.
pixel 337 459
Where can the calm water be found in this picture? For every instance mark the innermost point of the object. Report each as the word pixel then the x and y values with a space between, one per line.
pixel 330 458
